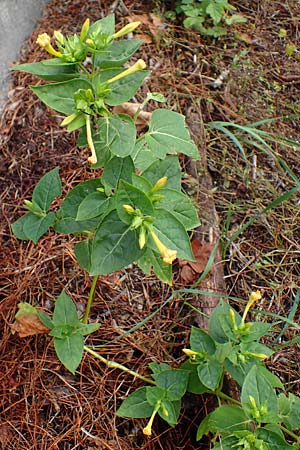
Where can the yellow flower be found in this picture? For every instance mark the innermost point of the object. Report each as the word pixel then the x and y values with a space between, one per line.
pixel 166 253
pixel 127 29
pixel 159 184
pixel 139 65
pixel 44 41
pixel 147 431
pixel 84 29
pixel 253 297
pixel 190 353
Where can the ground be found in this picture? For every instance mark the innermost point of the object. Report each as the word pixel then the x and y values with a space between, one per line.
pixel 249 200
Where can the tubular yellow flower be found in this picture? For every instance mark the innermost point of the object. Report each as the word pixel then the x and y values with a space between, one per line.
pixel 127 29
pixel 190 353
pixel 254 297
pixel 167 254
pixel 139 65
pixel 44 41
pixel 159 184
pixel 93 158
pixel 67 120
pixel 147 431
pixel 142 238
pixel 84 29
pixel 257 355
pixel 232 318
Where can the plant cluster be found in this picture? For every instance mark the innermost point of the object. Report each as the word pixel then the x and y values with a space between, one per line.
pixel 209 17
pixel 135 211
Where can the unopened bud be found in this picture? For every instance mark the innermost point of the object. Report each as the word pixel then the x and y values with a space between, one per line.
pixel 129 209
pixel 127 29
pixel 59 37
pixel 84 29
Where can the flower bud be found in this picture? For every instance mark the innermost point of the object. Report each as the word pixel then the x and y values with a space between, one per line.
pixel 159 184
pixel 59 37
pixel 139 65
pixel 84 29
pixel 127 29
pixel 142 238
pixel 67 120
pixel 129 209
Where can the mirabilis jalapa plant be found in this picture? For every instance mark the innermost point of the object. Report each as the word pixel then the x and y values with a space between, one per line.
pixel 135 211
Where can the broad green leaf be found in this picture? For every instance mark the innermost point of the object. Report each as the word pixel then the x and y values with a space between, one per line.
pixel 115 136
pixel 69 351
pixel 128 194
pixel 204 428
pixel 174 382
pixel 215 11
pixel 151 260
pixel 114 246
pixel 50 69
pixel 222 351
pixel 105 26
pixel 257 386
pixel 236 369
pixel 168 167
pixel 92 206
pixel 85 329
pixel 118 53
pixel 135 405
pixel 32 227
pixel 66 216
pixel 168 134
pixel 210 373
pixel 181 206
pixel 200 341
pixel 154 395
pixel 172 234
pixel 159 367
pixel 256 331
pixel 45 319
pixel 78 122
pixel 289 411
pixel 228 419
pixel 256 348
pixel 170 411
pixel 142 155
pixel 59 96
pixel 121 90
pixel 141 183
pixel 83 252
pixel 65 312
pixel 115 170
pixel 227 443
pixel 47 189
pixel 194 384
pixel 274 381
pixel 273 440
pixel 220 324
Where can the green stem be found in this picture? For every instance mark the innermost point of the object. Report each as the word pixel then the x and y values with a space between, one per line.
pixel 115 365
pixel 90 300
pixel 290 433
pixel 220 394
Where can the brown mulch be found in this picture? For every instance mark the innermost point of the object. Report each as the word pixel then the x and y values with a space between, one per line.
pixel 44 407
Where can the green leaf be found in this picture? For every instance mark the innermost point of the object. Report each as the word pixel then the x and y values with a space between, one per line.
pixel 142 156
pixel 274 381
pixel 118 53
pixel 66 216
pixel 204 428
pixel 50 69
pixel 152 260
pixel 258 387
pixel 210 373
pixel 47 189
pixel 170 411
pixel 173 381
pixel 154 394
pixel 93 205
pixel 141 183
pixel 115 136
pixel 65 312
pixel 228 419
pixel 114 246
pixel 45 319
pixel 121 90
pixel 168 134
pixel 228 443
pixel 194 384
pixel 159 367
pixel 115 170
pixel 289 409
pixel 168 167
pixel 59 96
pixel 200 341
pixel 103 26
pixel 85 329
pixel 83 252
pixel 128 194
pixel 256 331
pixel 220 324
pixel 135 405
pixel 32 227
pixel 273 440
pixel 180 206
pixel 215 11
pixel 172 234
pixel 69 351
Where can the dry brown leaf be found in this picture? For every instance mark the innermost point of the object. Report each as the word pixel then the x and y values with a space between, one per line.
pixel 150 21
pixel 130 109
pixel 27 322
pixel 202 253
